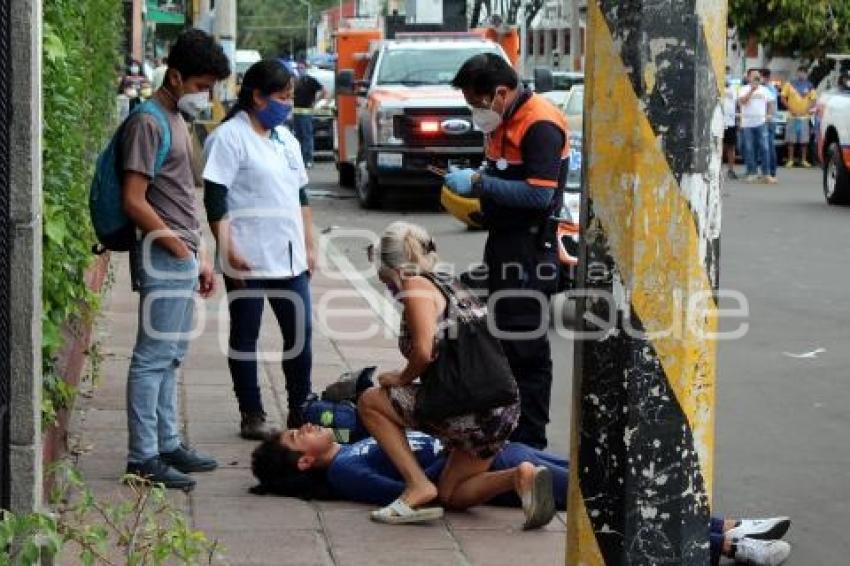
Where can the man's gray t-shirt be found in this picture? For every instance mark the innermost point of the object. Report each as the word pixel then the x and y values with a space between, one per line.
pixel 171 192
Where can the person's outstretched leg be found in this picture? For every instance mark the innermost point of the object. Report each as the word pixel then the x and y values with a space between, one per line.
pixel 466 481
pixel 383 422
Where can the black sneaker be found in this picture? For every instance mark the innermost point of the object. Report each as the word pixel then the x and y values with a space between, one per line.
pixel 187 460
pixel 253 426
pixel 157 471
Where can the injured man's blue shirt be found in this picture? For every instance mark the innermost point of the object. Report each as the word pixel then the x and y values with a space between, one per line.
pixel 363 472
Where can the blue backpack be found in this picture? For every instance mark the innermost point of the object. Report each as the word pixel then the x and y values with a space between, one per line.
pixel 340 416
pixel 114 230
pixel 337 407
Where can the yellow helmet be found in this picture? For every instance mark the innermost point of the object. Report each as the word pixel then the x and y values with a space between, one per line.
pixel 465 209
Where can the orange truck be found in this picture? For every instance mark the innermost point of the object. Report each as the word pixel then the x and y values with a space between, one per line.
pixel 398 117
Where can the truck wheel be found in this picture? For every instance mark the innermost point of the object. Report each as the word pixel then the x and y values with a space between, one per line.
pixel 347 175
pixel 836 178
pixel 368 189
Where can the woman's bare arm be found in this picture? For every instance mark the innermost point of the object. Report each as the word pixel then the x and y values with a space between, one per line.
pixel 422 305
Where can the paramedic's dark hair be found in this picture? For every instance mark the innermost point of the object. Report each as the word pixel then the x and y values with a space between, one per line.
pixel 276 468
pixel 483 73
pixel 267 76
pixel 196 53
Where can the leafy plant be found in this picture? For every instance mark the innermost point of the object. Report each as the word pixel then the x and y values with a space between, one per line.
pixel 139 528
pixel 82 47
pixel 805 28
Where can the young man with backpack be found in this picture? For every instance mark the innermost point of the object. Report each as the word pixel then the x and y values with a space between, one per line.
pixel 158 187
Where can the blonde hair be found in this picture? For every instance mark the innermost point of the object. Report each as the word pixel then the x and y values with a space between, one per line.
pixel 407 247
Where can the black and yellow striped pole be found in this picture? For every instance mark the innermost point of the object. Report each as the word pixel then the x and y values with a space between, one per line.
pixel 643 410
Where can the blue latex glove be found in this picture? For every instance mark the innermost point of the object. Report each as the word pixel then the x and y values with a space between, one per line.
pixel 459 181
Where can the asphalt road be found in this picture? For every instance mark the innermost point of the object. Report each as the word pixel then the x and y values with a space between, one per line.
pixel 783 395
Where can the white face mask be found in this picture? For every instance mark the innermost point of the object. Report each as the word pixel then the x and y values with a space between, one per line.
pixel 486 119
pixel 194 103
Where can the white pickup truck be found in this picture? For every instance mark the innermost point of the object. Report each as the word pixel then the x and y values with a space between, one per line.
pixel 832 116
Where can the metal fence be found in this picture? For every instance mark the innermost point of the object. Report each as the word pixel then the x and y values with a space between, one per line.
pixel 5 246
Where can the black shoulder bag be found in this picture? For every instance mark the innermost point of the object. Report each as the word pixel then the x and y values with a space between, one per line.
pixel 470 373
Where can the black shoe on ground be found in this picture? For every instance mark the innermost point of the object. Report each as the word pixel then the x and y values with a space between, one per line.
pixel 187 460
pixel 157 471
pixel 254 427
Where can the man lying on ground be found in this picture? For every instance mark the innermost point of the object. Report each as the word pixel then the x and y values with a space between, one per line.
pixel 309 464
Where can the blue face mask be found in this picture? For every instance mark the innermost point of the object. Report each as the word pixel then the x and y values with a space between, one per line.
pixel 274 114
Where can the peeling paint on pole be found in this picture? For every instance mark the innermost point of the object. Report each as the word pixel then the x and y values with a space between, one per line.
pixel 643 415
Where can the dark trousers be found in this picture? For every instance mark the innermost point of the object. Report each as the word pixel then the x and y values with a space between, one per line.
pixel 245 303
pixel 510 260
pixel 303 126
pixel 715 540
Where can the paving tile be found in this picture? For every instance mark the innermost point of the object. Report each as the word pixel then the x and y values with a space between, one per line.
pixel 491 518
pixel 220 376
pixel 494 548
pixel 352 530
pixel 213 433
pixel 103 419
pixel 114 492
pixel 114 398
pixel 225 481
pixel 229 455
pixel 272 547
pixel 378 355
pixel 397 555
pixel 249 513
pixel 102 467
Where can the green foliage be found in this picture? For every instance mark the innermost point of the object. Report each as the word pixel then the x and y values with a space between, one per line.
pixel 805 28
pixel 274 27
pixel 140 526
pixel 82 56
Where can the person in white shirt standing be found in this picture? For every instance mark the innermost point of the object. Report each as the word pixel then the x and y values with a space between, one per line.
pixel 256 200
pixel 730 130
pixel 757 103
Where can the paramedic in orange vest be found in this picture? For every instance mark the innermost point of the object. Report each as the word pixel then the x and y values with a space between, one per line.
pixel 519 187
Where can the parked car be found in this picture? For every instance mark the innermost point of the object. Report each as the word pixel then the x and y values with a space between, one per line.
pixel 833 136
pixel 566 80
pixel 323 111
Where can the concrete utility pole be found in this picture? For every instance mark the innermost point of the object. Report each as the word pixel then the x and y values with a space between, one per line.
pixel 523 41
pixel 575 35
pixel 307 34
pixel 225 32
pixel 20 260
pixel 643 411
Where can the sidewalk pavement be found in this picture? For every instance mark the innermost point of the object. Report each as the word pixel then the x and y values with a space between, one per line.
pixel 272 530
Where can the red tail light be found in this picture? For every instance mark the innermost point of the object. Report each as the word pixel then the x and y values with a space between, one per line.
pixel 429 127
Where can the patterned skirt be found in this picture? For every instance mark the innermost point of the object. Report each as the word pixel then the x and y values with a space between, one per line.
pixel 483 434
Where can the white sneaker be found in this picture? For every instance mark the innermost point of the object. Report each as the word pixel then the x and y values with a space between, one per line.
pixel 761 552
pixel 772 528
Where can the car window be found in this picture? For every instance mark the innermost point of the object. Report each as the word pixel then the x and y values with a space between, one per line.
pixel 433 66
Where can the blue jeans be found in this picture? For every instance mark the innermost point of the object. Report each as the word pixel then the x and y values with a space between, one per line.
pixel 303 124
pixel 166 311
pixel 291 304
pixel 771 149
pixel 755 149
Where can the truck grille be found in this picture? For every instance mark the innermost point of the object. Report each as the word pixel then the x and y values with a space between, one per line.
pixel 432 127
